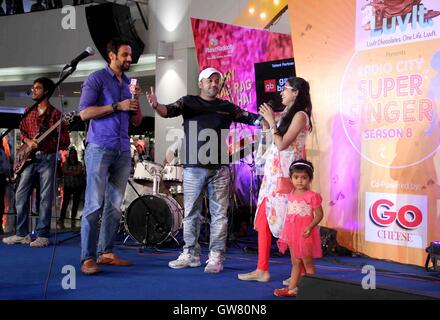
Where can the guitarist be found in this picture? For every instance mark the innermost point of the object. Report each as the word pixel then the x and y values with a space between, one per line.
pixel 42 164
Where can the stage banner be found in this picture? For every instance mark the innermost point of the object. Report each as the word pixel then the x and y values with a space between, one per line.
pixel 373 68
pixel 234 50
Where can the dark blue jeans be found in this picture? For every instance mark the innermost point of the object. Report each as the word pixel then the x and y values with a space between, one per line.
pixel 44 165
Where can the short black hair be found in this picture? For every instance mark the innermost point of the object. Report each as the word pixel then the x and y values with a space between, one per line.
pixel 302 165
pixel 48 84
pixel 114 44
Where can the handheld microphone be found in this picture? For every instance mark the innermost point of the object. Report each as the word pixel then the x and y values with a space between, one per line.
pixel 260 117
pixel 132 88
pixel 87 52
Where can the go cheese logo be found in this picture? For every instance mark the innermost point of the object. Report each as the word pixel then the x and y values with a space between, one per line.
pixel 384 213
pixel 396 219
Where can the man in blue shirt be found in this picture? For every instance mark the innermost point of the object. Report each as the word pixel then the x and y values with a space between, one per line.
pixel 206 122
pixel 106 101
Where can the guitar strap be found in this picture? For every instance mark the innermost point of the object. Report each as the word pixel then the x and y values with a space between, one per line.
pixel 45 125
pixel 43 128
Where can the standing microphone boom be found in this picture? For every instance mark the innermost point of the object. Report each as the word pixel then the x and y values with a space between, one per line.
pixel 87 52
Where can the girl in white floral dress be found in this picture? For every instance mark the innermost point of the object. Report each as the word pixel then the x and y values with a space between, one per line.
pixel 288 144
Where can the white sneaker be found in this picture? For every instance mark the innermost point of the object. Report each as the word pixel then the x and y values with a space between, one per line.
pixel 184 260
pixel 17 240
pixel 286 282
pixel 215 262
pixel 40 242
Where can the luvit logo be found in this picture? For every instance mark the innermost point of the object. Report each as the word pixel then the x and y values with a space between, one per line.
pixel 388 17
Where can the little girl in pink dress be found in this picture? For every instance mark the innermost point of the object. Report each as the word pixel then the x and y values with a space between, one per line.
pixel 300 232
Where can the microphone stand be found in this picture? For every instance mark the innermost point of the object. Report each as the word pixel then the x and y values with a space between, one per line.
pixel 64 76
pixel 251 190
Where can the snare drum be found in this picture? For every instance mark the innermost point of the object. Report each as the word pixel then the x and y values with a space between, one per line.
pixel 173 173
pixel 145 171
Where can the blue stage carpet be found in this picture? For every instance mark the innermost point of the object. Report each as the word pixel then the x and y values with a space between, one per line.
pixel 25 271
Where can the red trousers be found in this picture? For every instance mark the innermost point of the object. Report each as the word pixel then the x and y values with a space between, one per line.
pixel 264 237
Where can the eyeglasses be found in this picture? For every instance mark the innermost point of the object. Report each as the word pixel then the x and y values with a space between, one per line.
pixel 289 87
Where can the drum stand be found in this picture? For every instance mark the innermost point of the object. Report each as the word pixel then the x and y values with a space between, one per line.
pixel 233 210
pixel 251 192
pixel 252 170
pixel 157 178
pixel 138 194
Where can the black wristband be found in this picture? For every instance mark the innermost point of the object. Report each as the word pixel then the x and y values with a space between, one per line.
pixel 115 106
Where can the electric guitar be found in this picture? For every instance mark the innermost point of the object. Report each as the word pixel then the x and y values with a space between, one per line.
pixel 25 153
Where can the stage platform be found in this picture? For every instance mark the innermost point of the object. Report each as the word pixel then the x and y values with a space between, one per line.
pixel 53 273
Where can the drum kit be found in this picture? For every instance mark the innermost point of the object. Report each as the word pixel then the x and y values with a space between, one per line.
pixel 155 215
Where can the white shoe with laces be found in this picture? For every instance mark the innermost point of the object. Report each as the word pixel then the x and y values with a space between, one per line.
pixel 185 260
pixel 215 262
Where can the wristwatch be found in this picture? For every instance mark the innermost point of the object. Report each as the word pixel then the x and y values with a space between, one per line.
pixel 115 106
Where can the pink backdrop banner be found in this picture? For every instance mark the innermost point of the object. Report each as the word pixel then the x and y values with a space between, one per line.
pixel 234 50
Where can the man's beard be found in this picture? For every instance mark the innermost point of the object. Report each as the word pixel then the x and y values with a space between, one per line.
pixel 213 92
pixel 125 66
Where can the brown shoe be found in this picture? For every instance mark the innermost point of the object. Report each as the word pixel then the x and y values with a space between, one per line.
pixel 89 266
pixel 113 259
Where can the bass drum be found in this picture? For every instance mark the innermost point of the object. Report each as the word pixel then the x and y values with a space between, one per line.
pixel 153 218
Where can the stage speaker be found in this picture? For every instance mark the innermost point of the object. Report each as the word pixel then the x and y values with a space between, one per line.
pixel 111 20
pixel 330 246
pixel 434 255
pixel 313 287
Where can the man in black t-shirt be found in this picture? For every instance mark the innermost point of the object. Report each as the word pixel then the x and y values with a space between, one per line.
pixel 206 122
